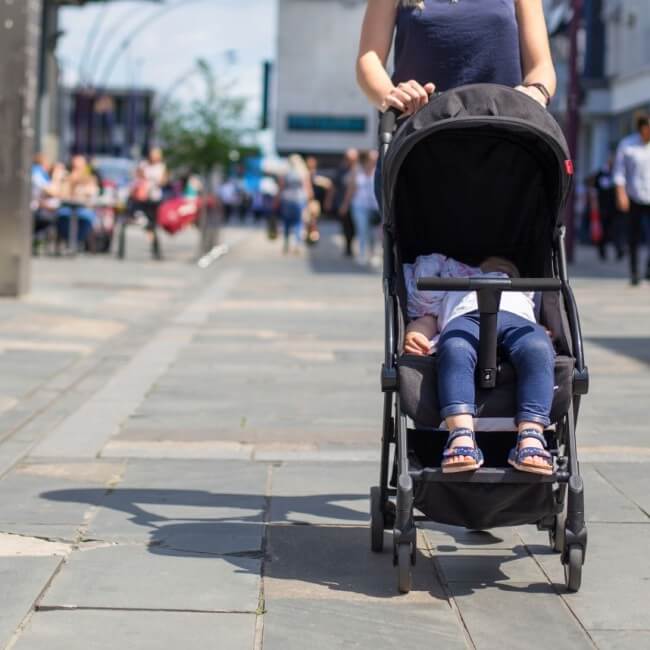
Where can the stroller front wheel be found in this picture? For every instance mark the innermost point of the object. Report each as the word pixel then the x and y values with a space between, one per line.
pixel 404 564
pixel 573 568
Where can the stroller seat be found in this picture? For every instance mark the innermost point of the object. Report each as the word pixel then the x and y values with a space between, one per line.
pixel 418 388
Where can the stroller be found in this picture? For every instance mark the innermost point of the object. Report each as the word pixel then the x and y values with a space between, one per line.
pixel 481 170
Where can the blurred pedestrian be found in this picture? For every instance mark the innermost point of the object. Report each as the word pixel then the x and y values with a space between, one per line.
pixel 157 176
pixel 45 196
pixel 603 204
pixel 632 179
pixel 230 198
pixel 342 179
pixel 79 192
pixel 441 45
pixel 295 193
pixel 360 200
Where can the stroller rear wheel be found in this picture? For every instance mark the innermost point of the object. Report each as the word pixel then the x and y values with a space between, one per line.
pixel 376 520
pixel 405 554
pixel 573 568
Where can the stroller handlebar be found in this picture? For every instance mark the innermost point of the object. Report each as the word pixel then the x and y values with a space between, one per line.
pixel 496 284
pixel 387 125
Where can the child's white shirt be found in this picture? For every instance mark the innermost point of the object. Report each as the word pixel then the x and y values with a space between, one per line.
pixel 447 305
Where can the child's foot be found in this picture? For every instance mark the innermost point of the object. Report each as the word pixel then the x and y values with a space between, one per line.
pixel 461 453
pixel 530 454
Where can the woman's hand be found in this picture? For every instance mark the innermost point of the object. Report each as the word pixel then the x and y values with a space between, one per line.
pixel 417 343
pixel 408 97
pixel 533 92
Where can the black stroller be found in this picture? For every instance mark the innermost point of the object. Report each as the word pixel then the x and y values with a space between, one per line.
pixel 481 170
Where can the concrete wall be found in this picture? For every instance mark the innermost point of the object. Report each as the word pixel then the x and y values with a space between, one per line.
pixel 19 39
pixel 317 48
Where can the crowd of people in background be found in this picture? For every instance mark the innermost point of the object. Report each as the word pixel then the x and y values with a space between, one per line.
pixel 66 201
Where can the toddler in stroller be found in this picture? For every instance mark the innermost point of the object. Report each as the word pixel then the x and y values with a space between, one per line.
pixel 454 320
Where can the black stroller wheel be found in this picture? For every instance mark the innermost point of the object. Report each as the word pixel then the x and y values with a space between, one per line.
pixel 404 564
pixel 573 568
pixel 376 521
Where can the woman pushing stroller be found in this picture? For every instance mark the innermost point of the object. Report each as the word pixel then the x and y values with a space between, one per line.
pixel 449 321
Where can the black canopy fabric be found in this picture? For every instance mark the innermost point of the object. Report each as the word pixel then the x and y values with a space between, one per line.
pixel 481 170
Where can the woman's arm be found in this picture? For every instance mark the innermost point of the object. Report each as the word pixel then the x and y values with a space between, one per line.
pixel 536 60
pixel 374 47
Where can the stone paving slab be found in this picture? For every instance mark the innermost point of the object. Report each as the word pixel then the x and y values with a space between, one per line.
pixel 164 499
pixel 621 640
pixel 322 493
pixel 616 571
pixel 294 624
pixel 490 568
pixel 112 630
pixel 518 615
pixel 154 578
pixel 605 503
pixel 27 506
pixel 21 581
pixel 632 479
pixel 335 563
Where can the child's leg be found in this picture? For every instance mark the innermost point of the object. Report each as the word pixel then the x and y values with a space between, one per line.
pixel 457 357
pixel 530 351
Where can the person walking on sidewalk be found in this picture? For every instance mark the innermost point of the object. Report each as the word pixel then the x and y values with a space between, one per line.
pixel 346 169
pixel 296 191
pixel 155 173
pixel 360 200
pixel 632 179
pixel 602 201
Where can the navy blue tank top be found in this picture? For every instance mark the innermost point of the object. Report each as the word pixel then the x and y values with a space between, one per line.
pixel 455 43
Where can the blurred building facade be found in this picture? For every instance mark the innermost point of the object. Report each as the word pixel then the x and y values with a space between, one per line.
pixel 112 122
pixel 318 106
pixel 616 74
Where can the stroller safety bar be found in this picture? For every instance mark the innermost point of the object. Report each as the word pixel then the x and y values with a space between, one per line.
pixel 491 284
pixel 489 296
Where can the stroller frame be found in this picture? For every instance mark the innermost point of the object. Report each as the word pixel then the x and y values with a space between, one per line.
pixel 392 502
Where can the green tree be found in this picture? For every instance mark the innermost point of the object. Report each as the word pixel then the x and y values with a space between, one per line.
pixel 202 135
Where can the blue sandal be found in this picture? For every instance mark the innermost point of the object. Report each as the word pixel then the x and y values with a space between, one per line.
pixel 517 455
pixel 454 452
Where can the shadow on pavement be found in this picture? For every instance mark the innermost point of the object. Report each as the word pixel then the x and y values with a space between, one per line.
pixel 327 255
pixel 333 557
pixel 635 347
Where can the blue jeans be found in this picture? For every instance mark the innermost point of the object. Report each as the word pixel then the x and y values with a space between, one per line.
pixel 291 212
pixel 524 344
pixel 361 218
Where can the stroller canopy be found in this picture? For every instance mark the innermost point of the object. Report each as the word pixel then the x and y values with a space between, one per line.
pixel 481 170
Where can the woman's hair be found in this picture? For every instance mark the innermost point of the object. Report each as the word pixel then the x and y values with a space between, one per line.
pixel 500 265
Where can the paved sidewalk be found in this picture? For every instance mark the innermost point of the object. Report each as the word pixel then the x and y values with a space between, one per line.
pixel 185 458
